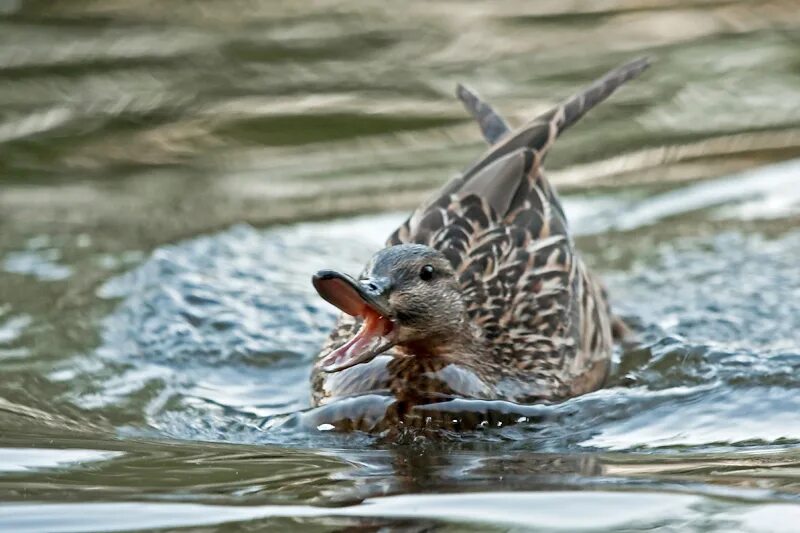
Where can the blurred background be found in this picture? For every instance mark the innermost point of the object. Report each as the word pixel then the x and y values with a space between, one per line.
pixel 151 121
pixel 164 168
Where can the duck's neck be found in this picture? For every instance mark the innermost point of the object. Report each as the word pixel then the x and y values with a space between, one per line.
pixel 465 346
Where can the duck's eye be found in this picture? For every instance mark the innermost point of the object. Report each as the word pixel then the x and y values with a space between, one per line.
pixel 426 273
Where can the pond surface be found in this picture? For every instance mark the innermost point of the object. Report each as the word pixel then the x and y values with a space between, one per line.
pixel 170 178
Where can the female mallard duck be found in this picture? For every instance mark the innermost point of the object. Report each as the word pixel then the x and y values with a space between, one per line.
pixel 480 293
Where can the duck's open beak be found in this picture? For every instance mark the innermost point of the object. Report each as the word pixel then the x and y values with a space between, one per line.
pixel 366 298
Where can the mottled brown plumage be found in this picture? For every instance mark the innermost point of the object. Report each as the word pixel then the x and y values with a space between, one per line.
pixel 510 310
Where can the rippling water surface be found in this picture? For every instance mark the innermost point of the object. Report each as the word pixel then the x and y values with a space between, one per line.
pixel 171 175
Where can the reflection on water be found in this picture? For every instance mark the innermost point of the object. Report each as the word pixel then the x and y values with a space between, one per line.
pixel 155 341
pixel 21 459
pixel 496 511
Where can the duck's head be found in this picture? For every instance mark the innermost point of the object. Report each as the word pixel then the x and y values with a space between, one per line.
pixel 407 295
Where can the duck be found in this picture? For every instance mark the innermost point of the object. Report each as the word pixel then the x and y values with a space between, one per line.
pixel 480 293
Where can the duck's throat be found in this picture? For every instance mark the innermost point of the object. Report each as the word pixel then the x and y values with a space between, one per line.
pixel 461 347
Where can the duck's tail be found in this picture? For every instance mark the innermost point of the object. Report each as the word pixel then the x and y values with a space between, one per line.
pixel 493 126
pixel 539 134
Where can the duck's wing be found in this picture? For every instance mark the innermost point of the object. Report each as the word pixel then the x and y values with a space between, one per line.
pixel 492 125
pixel 505 176
pixel 540 133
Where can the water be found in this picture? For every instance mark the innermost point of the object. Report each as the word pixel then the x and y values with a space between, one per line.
pixel 170 178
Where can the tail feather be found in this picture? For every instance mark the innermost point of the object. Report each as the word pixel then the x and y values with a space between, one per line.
pixel 539 134
pixel 491 123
